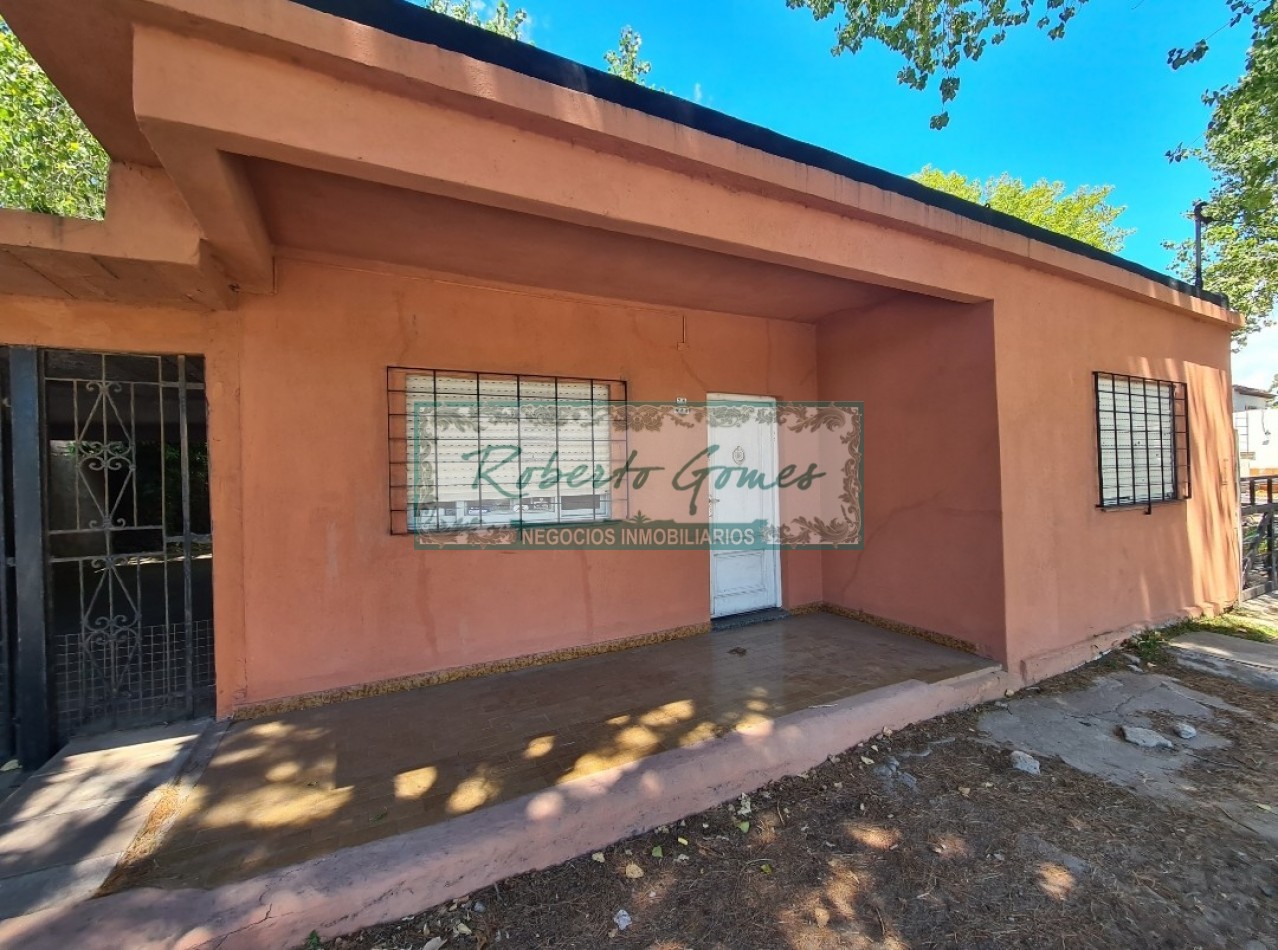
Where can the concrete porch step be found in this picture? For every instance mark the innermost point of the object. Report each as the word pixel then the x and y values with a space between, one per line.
pixel 734 621
pixel 64 829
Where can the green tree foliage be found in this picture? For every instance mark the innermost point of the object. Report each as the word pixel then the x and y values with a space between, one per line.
pixel 1241 149
pixel 624 61
pixel 935 36
pixel 1084 214
pixel 503 20
pixel 49 162
pixel 1240 146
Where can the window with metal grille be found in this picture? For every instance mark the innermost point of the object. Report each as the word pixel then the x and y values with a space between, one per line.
pixel 472 450
pixel 1142 440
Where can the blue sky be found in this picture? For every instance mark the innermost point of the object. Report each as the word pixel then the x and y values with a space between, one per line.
pixel 1098 107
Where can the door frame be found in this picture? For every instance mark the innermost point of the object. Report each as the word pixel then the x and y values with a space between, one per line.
pixel 773 450
pixel 32 706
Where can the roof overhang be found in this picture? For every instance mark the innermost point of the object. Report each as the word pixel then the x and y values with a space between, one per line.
pixel 385 92
pixel 1249 391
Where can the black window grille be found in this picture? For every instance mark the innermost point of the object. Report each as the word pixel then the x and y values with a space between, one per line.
pixel 471 450
pixel 1142 441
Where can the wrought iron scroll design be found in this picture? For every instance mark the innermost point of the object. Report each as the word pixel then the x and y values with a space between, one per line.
pixel 127 643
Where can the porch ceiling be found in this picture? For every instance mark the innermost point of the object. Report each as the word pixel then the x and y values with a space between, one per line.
pixel 332 214
pixel 54 270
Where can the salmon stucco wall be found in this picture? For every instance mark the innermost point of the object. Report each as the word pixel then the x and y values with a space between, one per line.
pixel 1074 572
pixel 979 468
pixel 312 591
pixel 331 598
pixel 933 531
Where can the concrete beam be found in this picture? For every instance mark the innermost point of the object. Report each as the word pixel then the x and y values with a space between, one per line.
pixel 148 249
pixel 215 188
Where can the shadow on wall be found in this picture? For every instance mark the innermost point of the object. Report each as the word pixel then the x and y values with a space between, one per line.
pixel 1181 556
pixel 1095 572
pixel 937 483
pixel 933 553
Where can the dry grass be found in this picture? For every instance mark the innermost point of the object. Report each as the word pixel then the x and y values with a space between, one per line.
pixel 1233 624
pixel 167 801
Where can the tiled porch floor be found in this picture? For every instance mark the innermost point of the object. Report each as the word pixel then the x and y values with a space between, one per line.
pixel 301 784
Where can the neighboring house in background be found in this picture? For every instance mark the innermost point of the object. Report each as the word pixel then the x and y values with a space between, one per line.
pixel 1253 422
pixel 318 209
pixel 1245 397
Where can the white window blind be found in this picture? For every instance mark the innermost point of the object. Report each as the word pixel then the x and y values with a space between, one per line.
pixel 508 450
pixel 1142 440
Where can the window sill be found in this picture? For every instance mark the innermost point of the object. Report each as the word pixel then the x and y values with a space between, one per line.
pixel 515 526
pixel 1143 506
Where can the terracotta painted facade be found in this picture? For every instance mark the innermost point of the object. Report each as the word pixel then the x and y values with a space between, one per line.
pixel 342 200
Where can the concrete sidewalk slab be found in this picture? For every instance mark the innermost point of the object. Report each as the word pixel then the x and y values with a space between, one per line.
pixel 1263 608
pixel 64 829
pixel 1236 649
pixel 1247 660
pixel 1083 729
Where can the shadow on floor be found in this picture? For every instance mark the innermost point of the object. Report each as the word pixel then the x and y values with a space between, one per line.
pixel 69 823
pixel 291 787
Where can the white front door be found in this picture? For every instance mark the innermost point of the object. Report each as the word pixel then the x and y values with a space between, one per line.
pixel 743 579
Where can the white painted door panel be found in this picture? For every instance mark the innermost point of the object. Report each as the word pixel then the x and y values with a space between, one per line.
pixel 743 579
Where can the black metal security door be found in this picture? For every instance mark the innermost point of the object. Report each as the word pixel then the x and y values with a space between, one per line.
pixel 111 544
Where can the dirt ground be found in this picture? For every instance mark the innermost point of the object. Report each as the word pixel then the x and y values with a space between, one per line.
pixel 924 838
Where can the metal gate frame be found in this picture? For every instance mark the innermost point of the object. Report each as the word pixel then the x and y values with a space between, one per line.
pixel 7 747
pixel 33 720
pixel 29 712
pixel 1258 534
